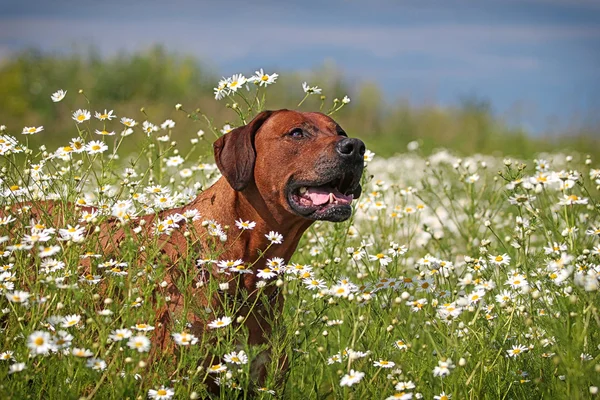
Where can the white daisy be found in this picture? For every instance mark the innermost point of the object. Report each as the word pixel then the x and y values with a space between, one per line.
pixel 220 322
pixel 40 342
pixel 58 95
pixel 140 343
pixel 81 116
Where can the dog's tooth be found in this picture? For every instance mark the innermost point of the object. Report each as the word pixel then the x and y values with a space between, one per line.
pixel 331 198
pixel 302 190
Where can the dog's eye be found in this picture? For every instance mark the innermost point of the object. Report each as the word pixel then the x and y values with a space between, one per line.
pixel 296 133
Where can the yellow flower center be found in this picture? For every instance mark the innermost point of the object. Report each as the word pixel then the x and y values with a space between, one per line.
pixel 499 259
pixel 80 117
pixel 161 392
pixel 39 341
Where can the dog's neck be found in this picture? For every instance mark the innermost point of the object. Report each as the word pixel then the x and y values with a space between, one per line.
pixel 223 204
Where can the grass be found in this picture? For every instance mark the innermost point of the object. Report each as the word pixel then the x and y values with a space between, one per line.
pixel 472 278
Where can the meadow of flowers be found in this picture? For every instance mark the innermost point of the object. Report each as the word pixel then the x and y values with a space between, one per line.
pixel 455 279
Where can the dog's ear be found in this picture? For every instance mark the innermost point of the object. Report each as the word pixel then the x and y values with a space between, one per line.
pixel 235 154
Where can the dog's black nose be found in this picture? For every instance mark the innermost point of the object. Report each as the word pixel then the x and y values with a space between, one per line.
pixel 351 148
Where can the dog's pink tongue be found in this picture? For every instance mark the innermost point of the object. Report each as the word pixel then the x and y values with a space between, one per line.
pixel 321 195
pixel 318 195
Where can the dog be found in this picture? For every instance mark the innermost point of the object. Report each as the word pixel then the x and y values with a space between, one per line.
pixel 283 170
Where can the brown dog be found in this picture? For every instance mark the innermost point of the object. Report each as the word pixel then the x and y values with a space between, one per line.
pixel 283 170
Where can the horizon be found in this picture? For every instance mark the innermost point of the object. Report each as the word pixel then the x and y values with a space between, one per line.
pixel 533 60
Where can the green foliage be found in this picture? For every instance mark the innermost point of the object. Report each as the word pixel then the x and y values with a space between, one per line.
pixel 157 80
pixel 474 277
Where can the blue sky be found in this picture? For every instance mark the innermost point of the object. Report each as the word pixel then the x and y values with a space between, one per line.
pixel 537 61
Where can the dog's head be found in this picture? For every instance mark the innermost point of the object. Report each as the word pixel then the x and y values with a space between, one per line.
pixel 302 163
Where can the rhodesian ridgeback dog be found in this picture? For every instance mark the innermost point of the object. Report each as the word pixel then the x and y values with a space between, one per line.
pixel 283 170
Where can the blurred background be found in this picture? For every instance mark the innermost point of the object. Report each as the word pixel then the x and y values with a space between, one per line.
pixel 491 76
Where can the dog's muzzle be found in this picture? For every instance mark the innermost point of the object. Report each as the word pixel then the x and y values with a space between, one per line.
pixel 329 197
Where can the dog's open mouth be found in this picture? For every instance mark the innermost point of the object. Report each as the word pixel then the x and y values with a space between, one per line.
pixel 328 201
pixel 322 195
